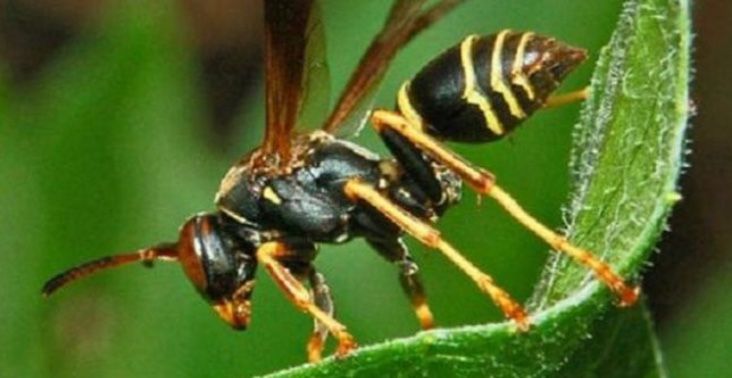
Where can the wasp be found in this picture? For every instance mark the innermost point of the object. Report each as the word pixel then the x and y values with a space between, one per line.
pixel 297 190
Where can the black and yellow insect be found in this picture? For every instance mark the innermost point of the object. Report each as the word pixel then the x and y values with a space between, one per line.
pixel 295 191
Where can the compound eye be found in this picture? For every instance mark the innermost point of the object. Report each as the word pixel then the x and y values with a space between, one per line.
pixel 190 257
pixel 215 261
pixel 208 257
pixel 220 266
pixel 218 259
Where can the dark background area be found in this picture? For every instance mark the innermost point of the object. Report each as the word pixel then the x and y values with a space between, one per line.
pixel 109 156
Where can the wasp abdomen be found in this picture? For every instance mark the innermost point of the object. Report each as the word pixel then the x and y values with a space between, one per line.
pixel 482 88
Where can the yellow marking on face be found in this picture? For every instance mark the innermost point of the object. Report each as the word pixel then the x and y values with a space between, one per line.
pixel 497 82
pixel 270 195
pixel 405 106
pixel 472 93
pixel 517 76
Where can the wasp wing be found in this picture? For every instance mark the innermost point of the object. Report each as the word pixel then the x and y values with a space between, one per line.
pixel 315 84
pixel 406 19
pixel 296 73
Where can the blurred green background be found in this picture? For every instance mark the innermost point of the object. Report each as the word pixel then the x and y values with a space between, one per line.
pixel 118 120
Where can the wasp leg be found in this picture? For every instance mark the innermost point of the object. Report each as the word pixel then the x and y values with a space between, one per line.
pixel 356 190
pixel 567 98
pixel 484 183
pixel 324 301
pixel 302 268
pixel 409 278
pixel 268 255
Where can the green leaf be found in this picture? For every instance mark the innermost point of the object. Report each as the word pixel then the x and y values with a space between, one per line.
pixel 623 344
pixel 627 156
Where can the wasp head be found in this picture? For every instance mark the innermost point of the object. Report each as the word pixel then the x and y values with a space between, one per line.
pixel 219 262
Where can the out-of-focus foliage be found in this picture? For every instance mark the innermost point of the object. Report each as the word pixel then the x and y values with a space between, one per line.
pixel 696 343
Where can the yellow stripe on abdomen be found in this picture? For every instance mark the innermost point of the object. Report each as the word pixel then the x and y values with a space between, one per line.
pixel 517 75
pixel 472 93
pixel 498 83
pixel 406 108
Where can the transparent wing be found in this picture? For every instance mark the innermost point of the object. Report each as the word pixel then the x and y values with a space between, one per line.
pixel 406 19
pixel 315 84
pixel 294 61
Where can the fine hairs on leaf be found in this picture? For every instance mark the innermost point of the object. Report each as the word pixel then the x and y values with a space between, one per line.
pixel 626 159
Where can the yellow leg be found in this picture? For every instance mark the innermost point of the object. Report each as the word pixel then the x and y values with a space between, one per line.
pixel 627 294
pixel 412 285
pixel 484 183
pixel 267 255
pixel 431 237
pixel 567 98
pixel 424 315
pixel 321 296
